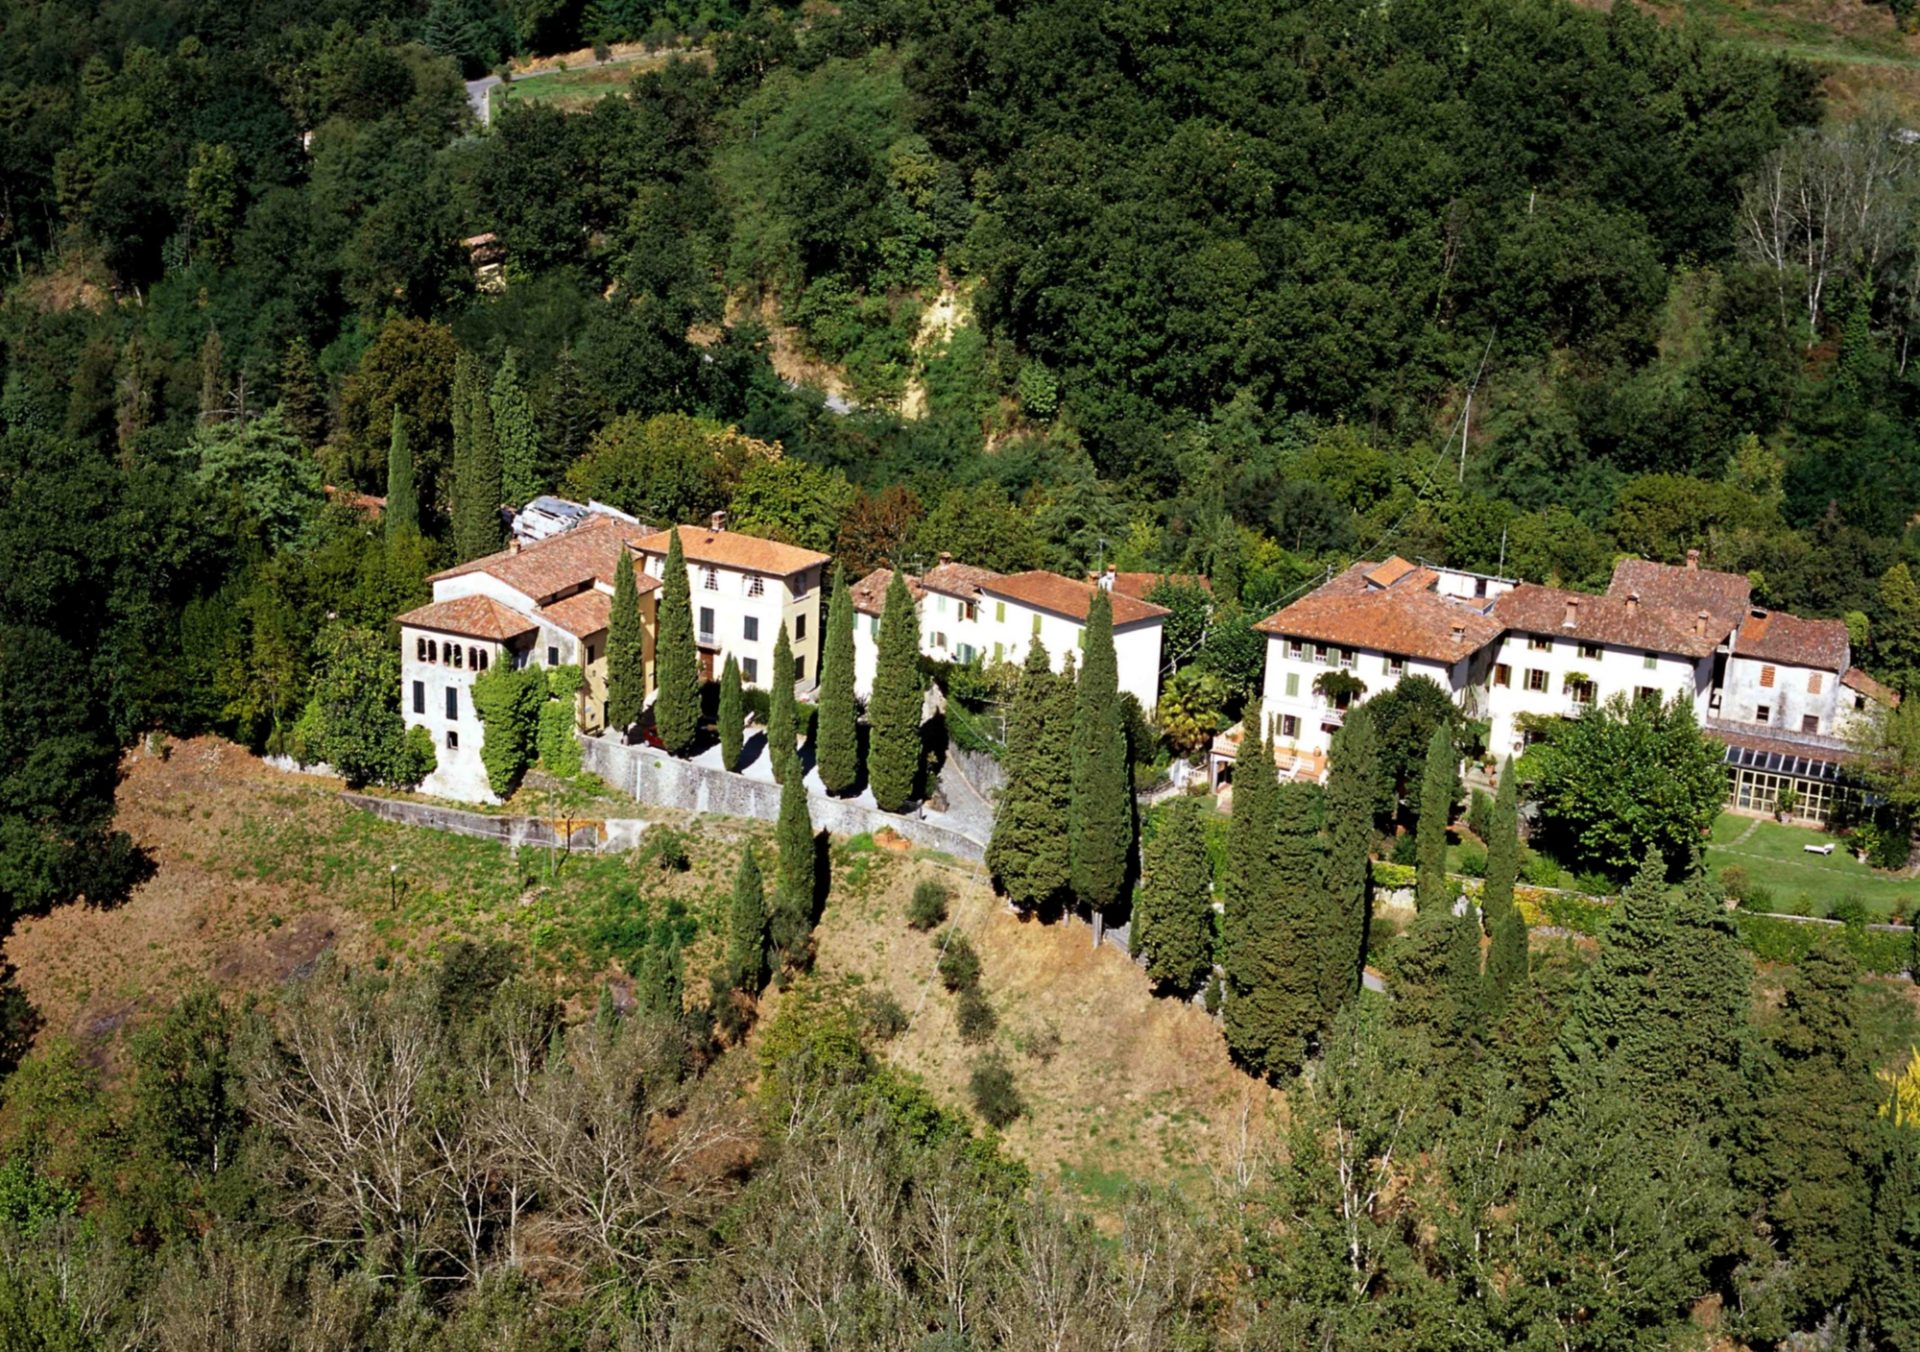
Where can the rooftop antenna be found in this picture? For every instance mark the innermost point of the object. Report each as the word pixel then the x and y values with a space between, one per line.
pixel 1466 421
pixel 1503 551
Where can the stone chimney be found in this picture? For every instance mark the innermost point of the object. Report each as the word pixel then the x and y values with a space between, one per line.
pixel 1572 621
pixel 513 544
pixel 946 557
pixel 1700 624
pixel 718 522
pixel 1693 558
pixel 1459 633
pixel 1106 580
pixel 1633 603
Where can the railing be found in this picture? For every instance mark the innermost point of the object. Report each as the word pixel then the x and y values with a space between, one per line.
pixel 706 639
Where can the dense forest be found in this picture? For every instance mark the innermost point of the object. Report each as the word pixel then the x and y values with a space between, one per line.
pixel 1242 289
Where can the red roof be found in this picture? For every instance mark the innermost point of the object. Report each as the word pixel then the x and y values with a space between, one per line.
pixel 581 614
pixel 870 592
pixel 1856 679
pixel 1689 589
pixel 1064 596
pixel 1138 585
pixel 560 563
pixel 731 549
pixel 1770 636
pixel 1406 617
pixel 470 617
pixel 1623 622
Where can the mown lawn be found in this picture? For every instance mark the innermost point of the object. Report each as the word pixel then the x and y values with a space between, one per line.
pixel 1775 859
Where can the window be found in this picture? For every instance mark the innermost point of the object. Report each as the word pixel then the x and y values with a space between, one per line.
pixel 756 585
pixel 968 610
pixel 1646 692
pixel 1321 653
pixel 1651 662
pixel 998 651
pixel 433 651
pixel 1289 726
pixel 939 640
pixel 750 629
pixel 1810 723
pixel 453 740
pixel 1347 658
pixel 1293 685
pixel 1766 678
pixel 553 655
pixel 473 657
pixel 939 604
pixel 420 697
pixel 799 667
pixel 453 703
pixel 591 654
pixel 1536 679
pixel 1813 683
pixel 709 579
pixel 1763 713
pixel 706 624
pixel 485 657
pixel 420 649
pixel 1293 649
pixel 1502 675
pixel 966 653
pixel 1590 652
pixel 873 625
pixel 1000 612
pixel 749 669
pixel 799 627
pixel 1396 665
pixel 1538 644
pixel 453 653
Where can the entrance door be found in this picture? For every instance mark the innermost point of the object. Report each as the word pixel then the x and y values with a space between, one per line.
pixel 706 664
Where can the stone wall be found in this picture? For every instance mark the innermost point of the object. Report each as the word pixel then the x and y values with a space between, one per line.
pixel 652 776
pixel 982 771
pixel 587 835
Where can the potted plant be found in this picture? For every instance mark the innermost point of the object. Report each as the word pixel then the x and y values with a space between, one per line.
pixel 1785 802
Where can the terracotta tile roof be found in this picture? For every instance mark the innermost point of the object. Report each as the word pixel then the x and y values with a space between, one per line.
pixel 1390 572
pixel 1064 596
pixel 560 563
pixel 1407 618
pixel 731 549
pixel 1856 679
pixel 870 592
pixel 1533 609
pixel 957 579
pixel 361 502
pixel 1725 596
pixel 470 617
pixel 581 614
pixel 1139 584
pixel 1774 637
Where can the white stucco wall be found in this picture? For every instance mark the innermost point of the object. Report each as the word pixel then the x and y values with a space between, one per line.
pixel 459 773
pixel 1287 692
pixel 1007 627
pixel 1612 670
pixel 793 601
pixel 1789 700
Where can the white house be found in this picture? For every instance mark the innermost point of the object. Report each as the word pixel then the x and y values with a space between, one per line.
pixel 744 589
pixel 444 646
pixel 1785 672
pixel 948 602
pixel 1016 609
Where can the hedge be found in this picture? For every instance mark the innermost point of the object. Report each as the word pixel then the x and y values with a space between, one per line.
pixel 1775 940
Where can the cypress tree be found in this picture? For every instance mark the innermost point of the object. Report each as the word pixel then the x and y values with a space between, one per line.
pixel 837 733
pixel 747 928
pixel 676 662
pixel 303 397
pixel 1173 918
pixel 521 467
pixel 1098 688
pixel 893 712
pixel 792 918
pixel 1028 852
pixel 733 715
pixel 1274 1010
pixel 1249 855
pixel 1432 888
pixel 477 494
pixel 781 714
pixel 1503 852
pixel 402 513
pixel 1437 981
pixel 1507 963
pixel 1352 790
pixel 626 651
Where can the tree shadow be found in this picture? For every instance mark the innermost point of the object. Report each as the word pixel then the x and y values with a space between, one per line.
pixel 822 874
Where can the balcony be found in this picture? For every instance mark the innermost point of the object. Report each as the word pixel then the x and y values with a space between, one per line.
pixel 706 638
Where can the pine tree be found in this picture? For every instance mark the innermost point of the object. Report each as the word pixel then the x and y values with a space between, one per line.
pixel 893 712
pixel 792 919
pixel 402 513
pixel 1274 1011
pixel 1028 851
pixel 1097 690
pixel 1173 918
pixel 521 465
pixel 1352 790
pixel 1507 961
pixel 1437 986
pixel 569 418
pixel 837 732
pixel 1433 890
pixel 747 927
pixel 213 379
pixel 676 662
pixel 782 717
pixel 626 650
pixel 303 397
pixel 1503 852
pixel 477 528
pixel 732 715
pixel 1247 872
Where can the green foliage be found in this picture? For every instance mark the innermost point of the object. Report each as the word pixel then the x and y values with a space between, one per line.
pixel 797 882
pixel 357 727
pixel 1437 796
pixel 747 927
pixel 837 735
pixel 732 715
pixel 1100 826
pixel 518 434
pixel 559 751
pixel 1352 793
pixel 1404 719
pixel 676 701
pixel 1507 960
pixel 1502 836
pixel 894 752
pixel 995 1096
pixel 1172 925
pixel 508 702
pixel 782 734
pixel 928 905
pixel 1788 942
pixel 402 512
pixel 1275 974
pixel 973 1017
pixel 958 965
pixel 477 491
pixel 261 470
pixel 791 501
pixel 1028 853
pixel 664 848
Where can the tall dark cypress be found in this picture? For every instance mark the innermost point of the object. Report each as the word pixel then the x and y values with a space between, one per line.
pixel 1352 790
pixel 626 650
pixel 402 513
pixel 477 527
pixel 676 662
pixel 303 396
pixel 732 715
pixel 792 919
pixel 1433 890
pixel 837 733
pixel 1438 984
pixel 1173 915
pixel 893 712
pixel 1092 831
pixel 1503 851
pixel 782 717
pixel 747 927
pixel 517 434
pixel 1274 1010
pixel 1028 851
pixel 1249 857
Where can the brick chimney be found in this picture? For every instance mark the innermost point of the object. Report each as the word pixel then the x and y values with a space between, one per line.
pixel 1633 603
pixel 946 557
pixel 1459 633
pixel 1693 558
pixel 718 522
pixel 1572 621
pixel 513 544
pixel 1700 624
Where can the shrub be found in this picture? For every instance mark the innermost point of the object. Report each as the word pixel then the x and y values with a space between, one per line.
pixel 1405 849
pixel 559 752
pixel 666 849
pixel 1594 884
pixel 1774 940
pixel 1214 995
pixel 1759 899
pixel 994 1096
pixel 928 906
pixel 1849 910
pixel 1480 814
pixel 508 703
pixel 885 1018
pixel 417 757
pixel 1541 871
pixel 975 1016
pixel 1043 1043
pixel 959 965
pixel 1735 882
pixel 1582 915
pixel 1393 875
pixel 1472 861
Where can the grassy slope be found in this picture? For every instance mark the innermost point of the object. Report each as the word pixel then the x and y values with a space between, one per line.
pixel 1858 48
pixel 1775 857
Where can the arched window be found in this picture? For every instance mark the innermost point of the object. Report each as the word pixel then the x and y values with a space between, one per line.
pixel 453 653
pixel 481 665
pixel 433 651
pixel 420 649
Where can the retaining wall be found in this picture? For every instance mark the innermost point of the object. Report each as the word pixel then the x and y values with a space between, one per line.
pixel 652 776
pixel 587 835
